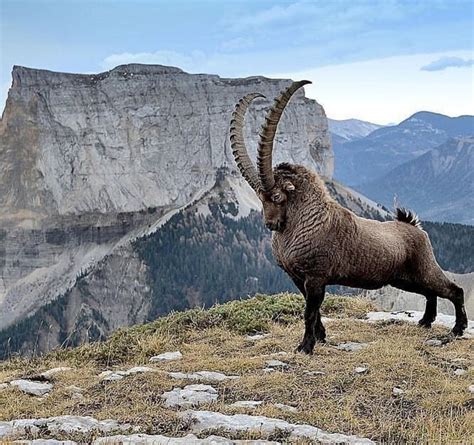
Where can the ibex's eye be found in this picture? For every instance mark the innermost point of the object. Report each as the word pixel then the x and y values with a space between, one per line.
pixel 276 197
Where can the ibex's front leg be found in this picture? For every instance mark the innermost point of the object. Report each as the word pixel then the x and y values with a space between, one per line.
pixel 314 329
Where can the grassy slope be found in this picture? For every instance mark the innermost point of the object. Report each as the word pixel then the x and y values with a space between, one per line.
pixel 435 408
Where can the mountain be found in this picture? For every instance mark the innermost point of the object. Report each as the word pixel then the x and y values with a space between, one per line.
pixel 135 137
pixel 350 129
pixel 438 185
pixel 364 160
pixel 90 162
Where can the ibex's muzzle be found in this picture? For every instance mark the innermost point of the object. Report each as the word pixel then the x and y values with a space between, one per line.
pixel 274 226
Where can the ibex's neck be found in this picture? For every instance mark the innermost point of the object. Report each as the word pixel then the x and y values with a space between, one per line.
pixel 308 206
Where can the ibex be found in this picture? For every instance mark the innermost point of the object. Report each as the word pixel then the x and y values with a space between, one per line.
pixel 320 243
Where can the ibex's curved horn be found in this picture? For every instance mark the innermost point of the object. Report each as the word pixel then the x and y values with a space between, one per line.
pixel 237 142
pixel 267 135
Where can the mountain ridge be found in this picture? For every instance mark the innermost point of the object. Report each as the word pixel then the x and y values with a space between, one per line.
pixel 438 185
pixel 373 156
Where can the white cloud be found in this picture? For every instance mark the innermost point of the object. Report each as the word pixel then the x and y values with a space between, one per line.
pixel 447 62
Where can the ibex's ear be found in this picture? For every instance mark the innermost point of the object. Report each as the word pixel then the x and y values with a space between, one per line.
pixel 288 186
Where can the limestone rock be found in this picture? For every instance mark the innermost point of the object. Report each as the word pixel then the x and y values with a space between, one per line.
pixel 44 442
pixel 166 357
pixel 256 337
pixel 352 346
pixel 190 395
pixel 110 376
pixel 162 131
pixel 313 373
pixel 60 424
pixel 208 420
pixel 287 408
pixel 32 387
pixel 249 404
pixel 189 439
pixel 278 364
pixel 396 391
pixel 433 342
pixel 209 376
pixel 50 372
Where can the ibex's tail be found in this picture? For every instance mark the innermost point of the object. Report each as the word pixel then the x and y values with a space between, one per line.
pixel 408 217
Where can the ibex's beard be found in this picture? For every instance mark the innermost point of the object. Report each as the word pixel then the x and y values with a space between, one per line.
pixel 275 226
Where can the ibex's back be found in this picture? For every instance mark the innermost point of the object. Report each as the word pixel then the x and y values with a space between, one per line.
pixel 318 242
pixel 321 234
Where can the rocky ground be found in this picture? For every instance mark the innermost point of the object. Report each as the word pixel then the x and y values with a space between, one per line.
pixel 230 375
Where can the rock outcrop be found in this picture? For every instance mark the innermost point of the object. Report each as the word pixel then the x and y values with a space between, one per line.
pixel 135 137
pixel 88 163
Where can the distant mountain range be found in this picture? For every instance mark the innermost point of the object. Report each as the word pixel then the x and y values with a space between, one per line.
pixel 350 129
pixel 363 160
pixel 426 162
pixel 439 184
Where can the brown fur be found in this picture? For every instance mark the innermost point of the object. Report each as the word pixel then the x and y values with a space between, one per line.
pixel 319 243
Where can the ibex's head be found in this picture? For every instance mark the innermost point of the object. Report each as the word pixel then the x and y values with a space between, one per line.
pixel 274 190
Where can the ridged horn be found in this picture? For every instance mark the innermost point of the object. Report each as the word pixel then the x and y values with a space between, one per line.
pixel 237 142
pixel 267 135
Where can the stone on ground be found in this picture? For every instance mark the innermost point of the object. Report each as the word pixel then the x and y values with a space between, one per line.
pixel 313 373
pixel 50 372
pixel 351 346
pixel 60 424
pixel 287 408
pixel 208 420
pixel 190 395
pixel 250 404
pixel 110 376
pixel 209 376
pixel 257 337
pixel 31 387
pixel 167 357
pixel 277 364
pixel 190 439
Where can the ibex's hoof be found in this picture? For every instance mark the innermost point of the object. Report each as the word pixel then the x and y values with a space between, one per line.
pixel 307 348
pixel 458 331
pixel 425 323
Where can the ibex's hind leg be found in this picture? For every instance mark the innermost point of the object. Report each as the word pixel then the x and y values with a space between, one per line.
pixel 431 302
pixel 456 295
pixel 445 288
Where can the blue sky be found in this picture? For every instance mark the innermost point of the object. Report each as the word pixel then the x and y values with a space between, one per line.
pixel 378 60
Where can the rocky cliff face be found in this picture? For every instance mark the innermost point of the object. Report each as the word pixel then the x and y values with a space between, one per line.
pixel 89 163
pixel 135 137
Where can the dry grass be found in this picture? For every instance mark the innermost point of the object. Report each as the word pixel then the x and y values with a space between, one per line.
pixel 436 406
